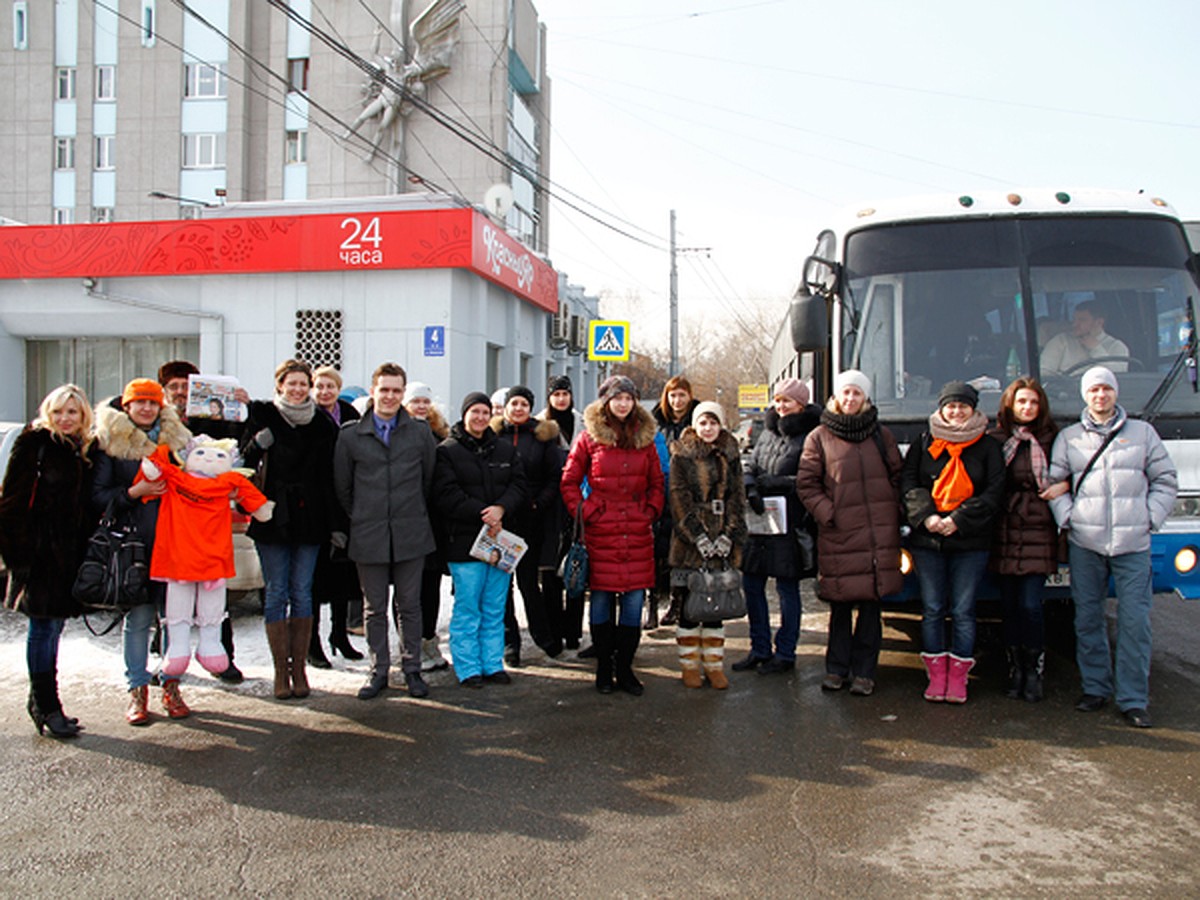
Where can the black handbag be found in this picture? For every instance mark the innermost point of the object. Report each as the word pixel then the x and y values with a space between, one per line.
pixel 714 594
pixel 115 569
pixel 574 569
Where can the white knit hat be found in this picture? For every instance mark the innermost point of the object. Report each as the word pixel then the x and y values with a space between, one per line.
pixel 1097 375
pixel 709 408
pixel 854 377
pixel 418 390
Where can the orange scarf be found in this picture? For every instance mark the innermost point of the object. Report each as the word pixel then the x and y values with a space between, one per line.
pixel 953 485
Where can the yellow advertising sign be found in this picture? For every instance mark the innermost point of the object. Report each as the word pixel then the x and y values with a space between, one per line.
pixel 754 396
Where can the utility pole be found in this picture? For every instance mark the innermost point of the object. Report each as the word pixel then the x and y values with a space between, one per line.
pixel 675 251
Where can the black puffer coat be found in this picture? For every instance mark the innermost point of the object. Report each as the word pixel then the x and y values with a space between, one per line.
pixel 537 444
pixel 976 517
pixel 472 474
pixel 45 522
pixel 299 476
pixel 1026 538
pixel 771 472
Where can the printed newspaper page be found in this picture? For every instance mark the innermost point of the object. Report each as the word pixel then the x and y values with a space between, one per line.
pixel 772 520
pixel 503 551
pixel 212 397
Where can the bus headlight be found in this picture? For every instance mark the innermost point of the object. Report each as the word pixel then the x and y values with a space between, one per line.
pixel 906 562
pixel 1186 507
pixel 1185 560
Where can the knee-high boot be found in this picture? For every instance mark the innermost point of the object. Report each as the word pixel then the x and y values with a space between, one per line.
pixel 299 632
pixel 279 641
pixel 688 640
pixel 602 641
pixel 712 649
pixel 651 621
pixel 627 638
pixel 316 653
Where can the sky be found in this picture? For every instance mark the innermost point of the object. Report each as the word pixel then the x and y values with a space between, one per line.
pixel 758 120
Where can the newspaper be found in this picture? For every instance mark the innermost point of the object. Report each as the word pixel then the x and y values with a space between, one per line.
pixel 212 397
pixel 773 518
pixel 503 551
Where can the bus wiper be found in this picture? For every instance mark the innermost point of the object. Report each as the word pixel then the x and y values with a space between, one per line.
pixel 1186 359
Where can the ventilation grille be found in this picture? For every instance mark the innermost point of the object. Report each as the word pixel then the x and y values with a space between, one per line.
pixel 319 337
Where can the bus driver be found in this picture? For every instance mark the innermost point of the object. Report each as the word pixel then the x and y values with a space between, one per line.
pixel 1085 342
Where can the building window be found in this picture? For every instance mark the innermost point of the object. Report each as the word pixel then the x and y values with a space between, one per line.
pixel 64 153
pixel 297 147
pixel 20 25
pixel 148 23
pixel 203 151
pixel 64 88
pixel 102 214
pixel 204 81
pixel 106 82
pixel 105 145
pixel 298 74
pixel 63 215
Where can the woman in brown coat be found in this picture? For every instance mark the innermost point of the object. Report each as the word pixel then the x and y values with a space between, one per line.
pixel 1025 546
pixel 708 515
pixel 849 480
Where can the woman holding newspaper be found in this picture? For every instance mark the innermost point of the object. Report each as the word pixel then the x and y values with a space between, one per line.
pixel 477 482
pixel 617 457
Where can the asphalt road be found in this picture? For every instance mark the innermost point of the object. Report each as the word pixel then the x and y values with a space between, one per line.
pixel 545 788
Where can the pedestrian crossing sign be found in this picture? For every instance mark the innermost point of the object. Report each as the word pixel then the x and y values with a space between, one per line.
pixel 608 341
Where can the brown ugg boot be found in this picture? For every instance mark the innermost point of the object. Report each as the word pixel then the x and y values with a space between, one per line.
pixel 688 640
pixel 712 648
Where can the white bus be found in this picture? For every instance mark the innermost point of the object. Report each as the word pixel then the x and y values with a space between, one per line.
pixel 926 290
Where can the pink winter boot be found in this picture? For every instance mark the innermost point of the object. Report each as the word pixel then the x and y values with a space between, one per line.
pixel 935 665
pixel 956 680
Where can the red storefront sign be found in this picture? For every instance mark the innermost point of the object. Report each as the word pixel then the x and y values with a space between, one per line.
pixel 403 239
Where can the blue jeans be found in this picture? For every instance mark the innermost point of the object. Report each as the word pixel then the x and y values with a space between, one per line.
pixel 1024 621
pixel 1132 575
pixel 288 577
pixel 629 604
pixel 41 644
pixel 788 634
pixel 948 585
pixel 477 620
pixel 135 637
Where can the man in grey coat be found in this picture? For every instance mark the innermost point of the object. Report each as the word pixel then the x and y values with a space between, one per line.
pixel 1123 486
pixel 383 472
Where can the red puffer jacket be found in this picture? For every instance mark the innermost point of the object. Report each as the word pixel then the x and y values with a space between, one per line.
pixel 625 498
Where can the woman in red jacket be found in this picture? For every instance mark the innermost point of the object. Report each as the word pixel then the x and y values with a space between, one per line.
pixel 616 455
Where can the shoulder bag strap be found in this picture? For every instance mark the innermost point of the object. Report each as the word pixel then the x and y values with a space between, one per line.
pixel 1091 462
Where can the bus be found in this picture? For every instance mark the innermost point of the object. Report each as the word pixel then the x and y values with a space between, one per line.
pixel 920 291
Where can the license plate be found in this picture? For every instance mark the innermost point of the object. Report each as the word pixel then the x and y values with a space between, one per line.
pixel 1061 578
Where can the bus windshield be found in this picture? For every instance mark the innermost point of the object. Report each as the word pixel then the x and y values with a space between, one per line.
pixel 986 300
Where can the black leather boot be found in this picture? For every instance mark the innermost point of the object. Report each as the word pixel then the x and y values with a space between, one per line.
pixel 232 675
pixel 602 643
pixel 46 710
pixel 627 639
pixel 1016 673
pixel 651 621
pixel 1035 664
pixel 316 653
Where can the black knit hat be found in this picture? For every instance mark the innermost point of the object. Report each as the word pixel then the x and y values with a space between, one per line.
pixel 520 391
pixel 960 391
pixel 559 383
pixel 472 399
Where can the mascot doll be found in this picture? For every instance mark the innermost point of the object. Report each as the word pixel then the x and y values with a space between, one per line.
pixel 193 544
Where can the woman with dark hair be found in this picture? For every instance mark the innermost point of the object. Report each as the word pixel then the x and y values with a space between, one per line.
pixel 672 414
pixel 295 445
pixel 44 524
pixel 617 457
pixel 568 611
pixel 771 472
pixel 536 443
pixel 335 578
pixel 1025 546
pixel 953 488
pixel 129 428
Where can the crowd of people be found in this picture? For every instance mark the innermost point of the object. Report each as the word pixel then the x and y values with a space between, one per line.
pixel 377 505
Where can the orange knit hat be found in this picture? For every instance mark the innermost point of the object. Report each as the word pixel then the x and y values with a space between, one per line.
pixel 142 389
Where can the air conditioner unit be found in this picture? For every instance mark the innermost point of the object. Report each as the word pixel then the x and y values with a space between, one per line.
pixel 579 334
pixel 560 328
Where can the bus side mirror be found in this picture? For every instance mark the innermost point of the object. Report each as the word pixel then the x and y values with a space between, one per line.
pixel 819 276
pixel 809 320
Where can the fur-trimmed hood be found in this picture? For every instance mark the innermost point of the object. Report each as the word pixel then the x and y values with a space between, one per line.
pixel 691 446
pixel 598 428
pixel 437 424
pixel 120 438
pixel 543 430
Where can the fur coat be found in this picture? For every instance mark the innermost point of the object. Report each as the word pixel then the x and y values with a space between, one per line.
pixel 707 497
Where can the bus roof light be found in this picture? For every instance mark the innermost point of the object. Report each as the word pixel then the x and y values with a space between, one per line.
pixel 1014 199
pixel 966 201
pixel 1063 197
